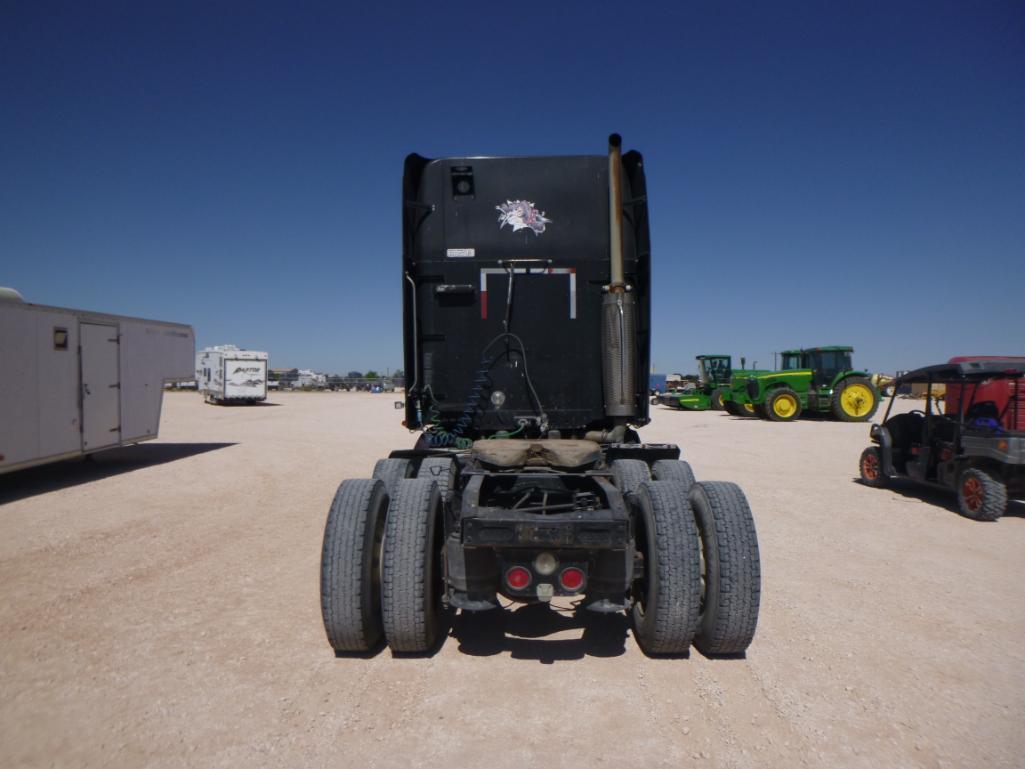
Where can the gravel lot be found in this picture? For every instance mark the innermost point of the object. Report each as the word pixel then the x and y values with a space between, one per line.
pixel 161 609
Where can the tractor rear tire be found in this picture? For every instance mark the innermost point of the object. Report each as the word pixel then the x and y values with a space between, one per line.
pixel 665 614
pixel 732 589
pixel 673 470
pixel 980 496
pixel 871 468
pixel 855 400
pixel 715 400
pixel 411 571
pixel 391 471
pixel 782 405
pixel 350 566
pixel 441 470
pixel 629 474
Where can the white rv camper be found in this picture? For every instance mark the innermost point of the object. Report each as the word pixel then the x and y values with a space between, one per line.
pixel 73 382
pixel 227 374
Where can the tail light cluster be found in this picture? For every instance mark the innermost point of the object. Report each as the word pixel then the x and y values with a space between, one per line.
pixel 545 568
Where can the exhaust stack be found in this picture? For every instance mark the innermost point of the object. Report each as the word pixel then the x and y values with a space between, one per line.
pixel 619 306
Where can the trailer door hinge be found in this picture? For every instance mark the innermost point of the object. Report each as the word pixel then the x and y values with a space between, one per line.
pixel 117 385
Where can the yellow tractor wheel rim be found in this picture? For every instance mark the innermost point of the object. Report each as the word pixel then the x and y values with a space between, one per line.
pixel 856 400
pixel 749 408
pixel 785 406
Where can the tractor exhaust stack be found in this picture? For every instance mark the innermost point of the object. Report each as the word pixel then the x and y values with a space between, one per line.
pixel 619 306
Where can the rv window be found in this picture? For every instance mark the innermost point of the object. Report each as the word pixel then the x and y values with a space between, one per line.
pixel 60 338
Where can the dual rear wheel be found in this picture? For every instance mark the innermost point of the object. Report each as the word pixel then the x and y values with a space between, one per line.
pixel 701 580
pixel 381 571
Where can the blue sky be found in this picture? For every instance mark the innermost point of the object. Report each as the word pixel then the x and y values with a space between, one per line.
pixel 819 173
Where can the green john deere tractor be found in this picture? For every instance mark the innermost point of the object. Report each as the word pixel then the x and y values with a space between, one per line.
pixel 817 379
pixel 715 373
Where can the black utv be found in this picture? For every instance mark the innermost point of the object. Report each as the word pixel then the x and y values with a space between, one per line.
pixel 976 448
pixel 526 286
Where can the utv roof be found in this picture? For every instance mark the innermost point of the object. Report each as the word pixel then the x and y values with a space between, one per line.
pixel 970 369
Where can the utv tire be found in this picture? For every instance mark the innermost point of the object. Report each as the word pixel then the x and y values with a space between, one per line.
pixel 629 474
pixel 732 589
pixel 350 566
pixel 980 496
pixel 855 400
pixel 410 573
pixel 673 470
pixel 441 470
pixel 391 471
pixel 665 612
pixel 782 405
pixel 871 468
pixel 716 401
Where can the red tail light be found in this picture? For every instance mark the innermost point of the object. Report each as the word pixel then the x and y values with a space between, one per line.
pixel 517 578
pixel 571 579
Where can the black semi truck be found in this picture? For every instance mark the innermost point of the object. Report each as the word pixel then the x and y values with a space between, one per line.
pixel 526 289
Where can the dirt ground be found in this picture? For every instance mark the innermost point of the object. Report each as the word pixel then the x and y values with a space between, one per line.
pixel 161 609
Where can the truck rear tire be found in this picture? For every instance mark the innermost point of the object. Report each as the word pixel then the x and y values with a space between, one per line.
pixel 350 566
pixel 732 568
pixel 668 597
pixel 782 405
pixel 854 400
pixel 411 573
pixel 391 471
pixel 673 470
pixel 629 474
pixel 980 496
pixel 441 470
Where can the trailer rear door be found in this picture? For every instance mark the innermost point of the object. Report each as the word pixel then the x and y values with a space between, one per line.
pixel 101 393
pixel 245 378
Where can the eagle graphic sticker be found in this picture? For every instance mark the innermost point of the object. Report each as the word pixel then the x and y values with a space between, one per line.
pixel 521 215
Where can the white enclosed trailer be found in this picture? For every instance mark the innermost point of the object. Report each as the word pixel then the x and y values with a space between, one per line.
pixel 227 374
pixel 73 382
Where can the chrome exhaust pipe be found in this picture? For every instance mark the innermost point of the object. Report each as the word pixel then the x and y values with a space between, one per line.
pixel 619 306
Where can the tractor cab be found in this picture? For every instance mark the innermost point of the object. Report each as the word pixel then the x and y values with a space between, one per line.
pixel 976 447
pixel 826 362
pixel 715 370
pixel 791 360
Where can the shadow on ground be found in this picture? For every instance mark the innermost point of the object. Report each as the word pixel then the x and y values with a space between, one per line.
pixel 521 633
pixel 22 484
pixel 941 498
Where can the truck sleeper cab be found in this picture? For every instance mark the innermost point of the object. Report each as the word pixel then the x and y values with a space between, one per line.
pixel 526 286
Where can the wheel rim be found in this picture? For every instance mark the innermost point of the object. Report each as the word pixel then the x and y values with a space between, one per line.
pixel 870 467
pixel 973 493
pixel 856 400
pixel 785 406
pixel 749 408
